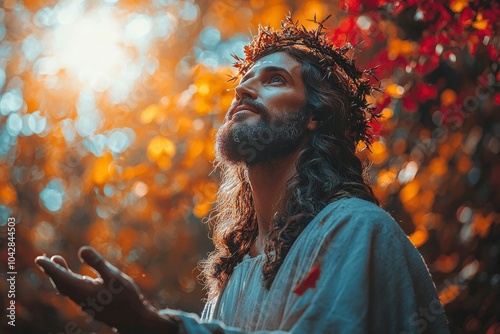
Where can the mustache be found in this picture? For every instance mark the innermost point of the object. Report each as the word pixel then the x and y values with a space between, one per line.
pixel 257 106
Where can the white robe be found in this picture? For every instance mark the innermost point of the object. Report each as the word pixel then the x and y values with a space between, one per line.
pixel 372 280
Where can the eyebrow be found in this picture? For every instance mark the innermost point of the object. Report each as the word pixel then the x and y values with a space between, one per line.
pixel 266 69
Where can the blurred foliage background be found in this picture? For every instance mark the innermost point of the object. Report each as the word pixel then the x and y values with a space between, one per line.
pixel 108 110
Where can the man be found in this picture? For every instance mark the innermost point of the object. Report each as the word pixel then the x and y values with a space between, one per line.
pixel 301 243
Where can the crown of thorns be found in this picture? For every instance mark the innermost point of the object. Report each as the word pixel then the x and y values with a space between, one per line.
pixel 333 60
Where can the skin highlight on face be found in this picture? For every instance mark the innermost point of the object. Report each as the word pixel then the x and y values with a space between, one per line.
pixel 267 119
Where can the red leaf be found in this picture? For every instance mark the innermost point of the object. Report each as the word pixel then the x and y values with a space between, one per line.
pixel 490 15
pixel 398 8
pixel 492 52
pixel 372 4
pixel 375 126
pixel 409 104
pixel 496 99
pixel 466 17
pixel 350 5
pixel 309 281
pixel 387 65
pixel 347 24
pixel 444 17
pixel 382 102
pixel 428 65
pixel 428 45
pixel 430 10
pixel 472 47
pixel 423 92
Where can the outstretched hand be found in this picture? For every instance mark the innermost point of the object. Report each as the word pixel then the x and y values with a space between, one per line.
pixel 113 298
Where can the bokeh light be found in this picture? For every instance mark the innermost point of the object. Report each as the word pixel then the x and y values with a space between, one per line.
pixel 108 111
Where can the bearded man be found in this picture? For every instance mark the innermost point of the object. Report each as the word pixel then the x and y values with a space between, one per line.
pixel 302 245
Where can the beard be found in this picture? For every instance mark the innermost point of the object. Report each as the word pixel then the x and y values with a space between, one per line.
pixel 269 139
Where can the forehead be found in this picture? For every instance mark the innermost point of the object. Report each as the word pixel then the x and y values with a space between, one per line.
pixel 277 59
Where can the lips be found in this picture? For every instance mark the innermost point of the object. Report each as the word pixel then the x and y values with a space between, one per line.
pixel 241 108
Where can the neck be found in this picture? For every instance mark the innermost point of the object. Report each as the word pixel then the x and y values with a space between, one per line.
pixel 268 183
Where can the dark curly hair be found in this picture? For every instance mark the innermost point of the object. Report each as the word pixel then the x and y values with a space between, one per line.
pixel 327 169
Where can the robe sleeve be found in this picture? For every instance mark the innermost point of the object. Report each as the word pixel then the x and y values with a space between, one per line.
pixel 190 323
pixel 371 280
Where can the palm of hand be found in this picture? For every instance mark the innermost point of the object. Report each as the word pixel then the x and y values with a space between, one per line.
pixel 113 298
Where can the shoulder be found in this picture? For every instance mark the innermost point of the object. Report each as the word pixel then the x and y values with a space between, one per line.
pixel 356 225
pixel 354 206
pixel 353 224
pixel 355 214
pixel 354 235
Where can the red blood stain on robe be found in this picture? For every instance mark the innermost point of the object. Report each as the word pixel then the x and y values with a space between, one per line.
pixel 309 281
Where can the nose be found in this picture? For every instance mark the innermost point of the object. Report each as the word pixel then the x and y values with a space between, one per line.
pixel 246 89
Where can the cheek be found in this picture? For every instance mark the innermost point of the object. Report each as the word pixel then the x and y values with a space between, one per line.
pixel 290 103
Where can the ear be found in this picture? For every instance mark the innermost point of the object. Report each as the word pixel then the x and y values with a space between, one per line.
pixel 312 123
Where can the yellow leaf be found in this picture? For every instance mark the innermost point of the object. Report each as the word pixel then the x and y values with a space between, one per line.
pixel 387 113
pixel 164 162
pixel 8 194
pixel 379 152
pixel 209 190
pixel 458 5
pixel 397 47
pixel 202 107
pixel 481 224
pixel 438 166
pixel 427 199
pixel 448 97
pixel 200 210
pixel 448 294
pixel 446 263
pixel 150 113
pixel 185 124
pixel 395 90
pixel 480 23
pixel 102 169
pixel 409 191
pixel 464 164
pixel 203 89
pixel 419 237
pixel 386 177
pixel 160 146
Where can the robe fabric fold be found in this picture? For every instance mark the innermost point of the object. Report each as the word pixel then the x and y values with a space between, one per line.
pixel 352 270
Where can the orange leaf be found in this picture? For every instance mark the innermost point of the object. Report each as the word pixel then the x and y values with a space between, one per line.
pixel 458 5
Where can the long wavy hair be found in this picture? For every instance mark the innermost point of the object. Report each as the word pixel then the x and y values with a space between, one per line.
pixel 327 170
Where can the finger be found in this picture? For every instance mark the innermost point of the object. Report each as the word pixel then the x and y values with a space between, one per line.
pixel 95 281
pixel 96 261
pixel 40 260
pixel 60 261
pixel 64 280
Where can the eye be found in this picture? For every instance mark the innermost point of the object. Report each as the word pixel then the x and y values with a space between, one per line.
pixel 277 79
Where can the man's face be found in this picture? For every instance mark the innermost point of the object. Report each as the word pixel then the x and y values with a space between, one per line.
pixel 267 117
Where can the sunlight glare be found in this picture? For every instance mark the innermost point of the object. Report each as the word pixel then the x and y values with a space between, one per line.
pixel 91 49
